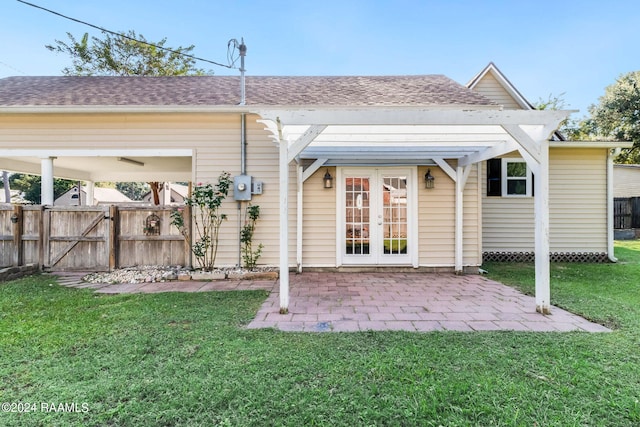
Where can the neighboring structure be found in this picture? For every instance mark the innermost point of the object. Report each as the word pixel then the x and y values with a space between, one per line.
pixel 16 197
pixel 626 192
pixel 626 181
pixel 176 194
pixel 402 172
pixel 99 196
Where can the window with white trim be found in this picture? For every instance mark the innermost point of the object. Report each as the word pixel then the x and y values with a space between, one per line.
pixel 516 178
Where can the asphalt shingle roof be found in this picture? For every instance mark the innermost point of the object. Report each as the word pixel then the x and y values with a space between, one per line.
pixel 424 90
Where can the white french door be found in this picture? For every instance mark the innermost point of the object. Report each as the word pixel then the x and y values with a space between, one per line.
pixel 376 218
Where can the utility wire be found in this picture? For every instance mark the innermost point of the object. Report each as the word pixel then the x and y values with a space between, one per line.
pixel 127 37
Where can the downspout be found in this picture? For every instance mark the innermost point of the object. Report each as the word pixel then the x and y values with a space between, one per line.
pixel 243 171
pixel 243 142
pixel 611 154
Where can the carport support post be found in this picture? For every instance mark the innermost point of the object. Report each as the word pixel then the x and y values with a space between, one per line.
pixel 46 182
pixel 89 200
pixel 541 209
pixel 284 225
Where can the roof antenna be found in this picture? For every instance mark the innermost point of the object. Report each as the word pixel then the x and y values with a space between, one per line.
pixel 242 50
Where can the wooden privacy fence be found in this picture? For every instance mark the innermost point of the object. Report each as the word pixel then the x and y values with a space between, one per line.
pixel 96 238
pixel 626 213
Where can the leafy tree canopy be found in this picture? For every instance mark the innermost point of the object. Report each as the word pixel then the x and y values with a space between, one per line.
pixel 124 55
pixel 128 54
pixel 617 115
pixel 30 186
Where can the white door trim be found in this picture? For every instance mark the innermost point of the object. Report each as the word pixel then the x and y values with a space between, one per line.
pixel 376 173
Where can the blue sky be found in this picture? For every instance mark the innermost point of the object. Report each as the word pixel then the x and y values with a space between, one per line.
pixel 570 47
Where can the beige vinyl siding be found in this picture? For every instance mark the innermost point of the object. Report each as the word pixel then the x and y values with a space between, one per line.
pixel 262 165
pixel 436 220
pixel 471 211
pixel 578 200
pixel 319 221
pixel 626 181
pixel 492 89
pixel 577 207
pixel 215 140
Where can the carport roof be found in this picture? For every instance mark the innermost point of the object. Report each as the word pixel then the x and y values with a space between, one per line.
pixel 330 91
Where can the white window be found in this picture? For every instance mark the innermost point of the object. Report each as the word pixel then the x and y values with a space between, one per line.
pixel 516 178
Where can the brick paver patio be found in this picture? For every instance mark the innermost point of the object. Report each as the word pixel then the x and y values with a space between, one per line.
pixel 322 302
pixel 345 302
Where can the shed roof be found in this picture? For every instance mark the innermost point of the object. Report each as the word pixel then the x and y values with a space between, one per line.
pixel 352 91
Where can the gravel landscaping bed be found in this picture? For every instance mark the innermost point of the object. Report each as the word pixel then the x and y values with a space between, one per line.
pixel 156 273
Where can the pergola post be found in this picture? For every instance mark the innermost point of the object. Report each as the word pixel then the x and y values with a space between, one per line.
pixel 46 181
pixel 541 210
pixel 299 216
pixel 462 174
pixel 459 209
pixel 284 226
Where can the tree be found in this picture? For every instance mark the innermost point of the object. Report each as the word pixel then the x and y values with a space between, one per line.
pixel 569 128
pixel 617 115
pixel 127 54
pixel 207 199
pixel 30 185
pixel 133 190
pixel 124 55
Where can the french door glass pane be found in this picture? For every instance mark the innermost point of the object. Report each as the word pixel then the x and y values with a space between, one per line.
pixel 357 212
pixel 394 215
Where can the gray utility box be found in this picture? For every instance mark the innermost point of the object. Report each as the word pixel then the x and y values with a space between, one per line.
pixel 242 187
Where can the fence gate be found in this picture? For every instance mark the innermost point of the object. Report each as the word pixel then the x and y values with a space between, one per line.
pixel 76 238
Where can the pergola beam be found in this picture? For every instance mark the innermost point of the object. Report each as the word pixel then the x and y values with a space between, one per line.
pixel 414 116
pixel 311 169
pixel 304 140
pixel 526 143
pixel 489 153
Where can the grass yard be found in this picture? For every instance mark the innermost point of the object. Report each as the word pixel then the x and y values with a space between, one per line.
pixel 185 359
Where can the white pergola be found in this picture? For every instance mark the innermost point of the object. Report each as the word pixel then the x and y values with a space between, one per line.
pixel 416 136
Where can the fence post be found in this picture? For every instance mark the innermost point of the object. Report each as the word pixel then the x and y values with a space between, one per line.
pixel 17 221
pixel 113 237
pixel 635 212
pixel 45 233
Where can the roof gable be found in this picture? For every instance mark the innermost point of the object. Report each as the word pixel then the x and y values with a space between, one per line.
pixel 495 85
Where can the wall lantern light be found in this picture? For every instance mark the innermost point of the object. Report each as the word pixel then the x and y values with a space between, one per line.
pixel 328 180
pixel 429 180
pixel 14 218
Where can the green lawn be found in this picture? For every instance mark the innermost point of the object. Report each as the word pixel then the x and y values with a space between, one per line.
pixel 185 359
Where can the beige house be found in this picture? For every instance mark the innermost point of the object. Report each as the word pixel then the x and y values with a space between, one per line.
pixel 626 181
pixel 170 194
pixel 414 172
pixel 91 197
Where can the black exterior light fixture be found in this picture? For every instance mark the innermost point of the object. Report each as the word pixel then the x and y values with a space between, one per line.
pixel 14 218
pixel 429 180
pixel 328 180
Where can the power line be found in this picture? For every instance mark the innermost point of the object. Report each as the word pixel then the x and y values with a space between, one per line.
pixel 127 37
pixel 13 68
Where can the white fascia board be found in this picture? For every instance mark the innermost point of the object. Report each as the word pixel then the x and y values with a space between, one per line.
pixel 590 144
pixel 121 109
pixel 85 152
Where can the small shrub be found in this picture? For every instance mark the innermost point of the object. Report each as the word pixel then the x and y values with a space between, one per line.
pixel 206 201
pixel 249 255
